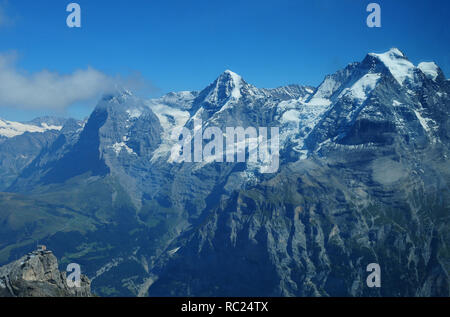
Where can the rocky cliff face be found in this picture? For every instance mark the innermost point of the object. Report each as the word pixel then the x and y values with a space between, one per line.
pixel 37 275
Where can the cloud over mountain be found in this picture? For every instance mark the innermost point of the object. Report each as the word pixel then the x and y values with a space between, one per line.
pixel 51 90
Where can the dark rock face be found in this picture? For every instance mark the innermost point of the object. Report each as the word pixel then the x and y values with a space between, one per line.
pixel 311 231
pixel 37 275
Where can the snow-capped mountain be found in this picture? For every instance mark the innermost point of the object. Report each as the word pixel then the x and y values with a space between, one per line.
pixel 383 96
pixel 11 129
pixel 367 151
pixel 363 176
pixel 21 142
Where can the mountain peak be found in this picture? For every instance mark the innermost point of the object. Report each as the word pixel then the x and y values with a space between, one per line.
pixel 397 63
pixel 228 86
pixel 119 96
pixel 231 73
pixel 396 52
pixel 125 92
pixel 392 54
pixel 233 81
pixel 431 70
pixel 117 92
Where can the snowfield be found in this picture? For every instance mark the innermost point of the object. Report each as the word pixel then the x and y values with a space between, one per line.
pixel 11 129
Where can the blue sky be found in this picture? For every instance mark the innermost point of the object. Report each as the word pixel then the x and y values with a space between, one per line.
pixel 175 45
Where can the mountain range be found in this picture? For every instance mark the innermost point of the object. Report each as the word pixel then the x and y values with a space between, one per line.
pixel 364 178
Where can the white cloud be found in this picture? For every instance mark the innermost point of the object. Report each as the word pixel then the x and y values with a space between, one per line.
pixel 51 90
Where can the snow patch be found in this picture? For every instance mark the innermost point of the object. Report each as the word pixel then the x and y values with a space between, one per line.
pixel 430 69
pixel 327 88
pixel 173 251
pixel 169 118
pixel 134 113
pixel 119 146
pixel 423 121
pixel 298 119
pixel 237 80
pixel 362 88
pixel 291 116
pixel 317 101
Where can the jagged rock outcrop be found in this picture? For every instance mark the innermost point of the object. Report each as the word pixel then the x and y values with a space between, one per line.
pixel 37 275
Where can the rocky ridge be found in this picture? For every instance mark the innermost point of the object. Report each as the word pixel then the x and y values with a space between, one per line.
pixel 37 275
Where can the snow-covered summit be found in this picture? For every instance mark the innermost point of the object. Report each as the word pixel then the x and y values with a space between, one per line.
pixel 397 63
pixel 229 87
pixel 430 69
pixel 403 70
pixel 236 81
